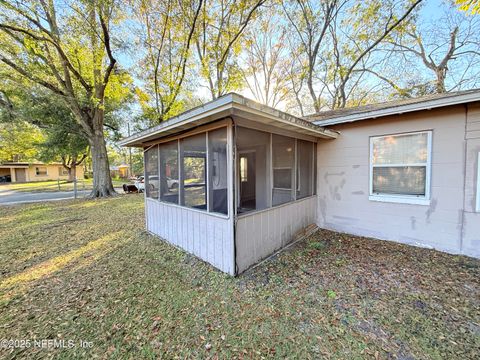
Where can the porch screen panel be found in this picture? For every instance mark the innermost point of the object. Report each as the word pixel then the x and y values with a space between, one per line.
pixel 253 170
pixel 304 168
pixel 151 173
pixel 283 158
pixel 217 156
pixel 169 180
pixel 194 167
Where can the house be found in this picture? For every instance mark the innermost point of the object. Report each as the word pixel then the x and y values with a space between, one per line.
pixel 233 181
pixel 120 171
pixel 38 171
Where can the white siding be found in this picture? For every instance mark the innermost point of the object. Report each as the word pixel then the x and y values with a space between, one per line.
pixel 471 218
pixel 448 223
pixel 207 236
pixel 260 234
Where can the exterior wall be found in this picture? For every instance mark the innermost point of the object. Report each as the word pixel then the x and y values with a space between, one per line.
pixel 52 173
pixel 471 218
pixel 260 234
pixel 207 236
pixel 343 182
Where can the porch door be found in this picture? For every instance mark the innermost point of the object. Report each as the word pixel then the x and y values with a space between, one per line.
pixel 247 180
pixel 20 175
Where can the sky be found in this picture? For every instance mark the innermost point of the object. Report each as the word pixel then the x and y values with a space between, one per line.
pixel 431 11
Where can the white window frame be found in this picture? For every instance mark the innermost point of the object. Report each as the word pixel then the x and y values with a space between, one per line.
pixel 404 199
pixel 478 182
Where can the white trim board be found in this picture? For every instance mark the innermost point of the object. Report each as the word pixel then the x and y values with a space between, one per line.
pixel 478 182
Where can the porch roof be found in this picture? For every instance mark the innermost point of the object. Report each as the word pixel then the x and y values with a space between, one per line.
pixel 231 104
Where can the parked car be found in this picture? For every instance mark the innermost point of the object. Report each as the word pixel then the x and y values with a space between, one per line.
pixel 140 183
pixel 172 183
pixel 153 182
pixel 5 179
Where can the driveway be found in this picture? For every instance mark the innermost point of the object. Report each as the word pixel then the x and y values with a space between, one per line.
pixel 11 197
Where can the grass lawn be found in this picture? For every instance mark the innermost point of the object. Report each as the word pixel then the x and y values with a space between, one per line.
pixel 87 270
pixel 54 185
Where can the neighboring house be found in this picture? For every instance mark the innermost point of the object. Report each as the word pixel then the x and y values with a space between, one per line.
pixel 25 172
pixel 120 171
pixel 251 178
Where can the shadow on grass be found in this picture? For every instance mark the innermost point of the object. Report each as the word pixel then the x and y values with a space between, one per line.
pixel 80 257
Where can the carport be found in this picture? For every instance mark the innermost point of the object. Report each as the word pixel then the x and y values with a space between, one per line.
pixel 16 171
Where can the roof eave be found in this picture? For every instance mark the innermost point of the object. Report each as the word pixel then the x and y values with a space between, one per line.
pixel 214 107
pixel 223 107
pixel 242 103
pixel 401 109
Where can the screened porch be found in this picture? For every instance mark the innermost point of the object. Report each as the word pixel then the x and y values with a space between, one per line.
pixel 231 181
pixel 188 175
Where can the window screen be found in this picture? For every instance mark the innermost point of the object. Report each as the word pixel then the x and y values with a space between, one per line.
pixel 399 164
pixel 253 170
pixel 283 158
pixel 304 169
pixel 194 166
pixel 151 173
pixel 217 156
pixel 169 182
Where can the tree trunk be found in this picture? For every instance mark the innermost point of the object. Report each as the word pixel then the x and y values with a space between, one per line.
pixel 102 181
pixel 440 83
pixel 71 173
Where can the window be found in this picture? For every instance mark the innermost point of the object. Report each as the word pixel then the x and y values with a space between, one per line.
pixel 253 169
pixel 400 167
pixel 217 158
pixel 283 158
pixel 62 171
pixel 151 173
pixel 194 165
pixel 169 182
pixel 41 171
pixel 243 169
pixel 304 169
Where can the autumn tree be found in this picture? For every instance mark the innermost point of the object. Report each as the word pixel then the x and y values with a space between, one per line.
pixel 447 51
pixel 67 47
pixel 166 33
pixel 266 57
pixel 219 42
pixel 338 38
pixel 62 139
pixel 19 141
pixel 469 6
